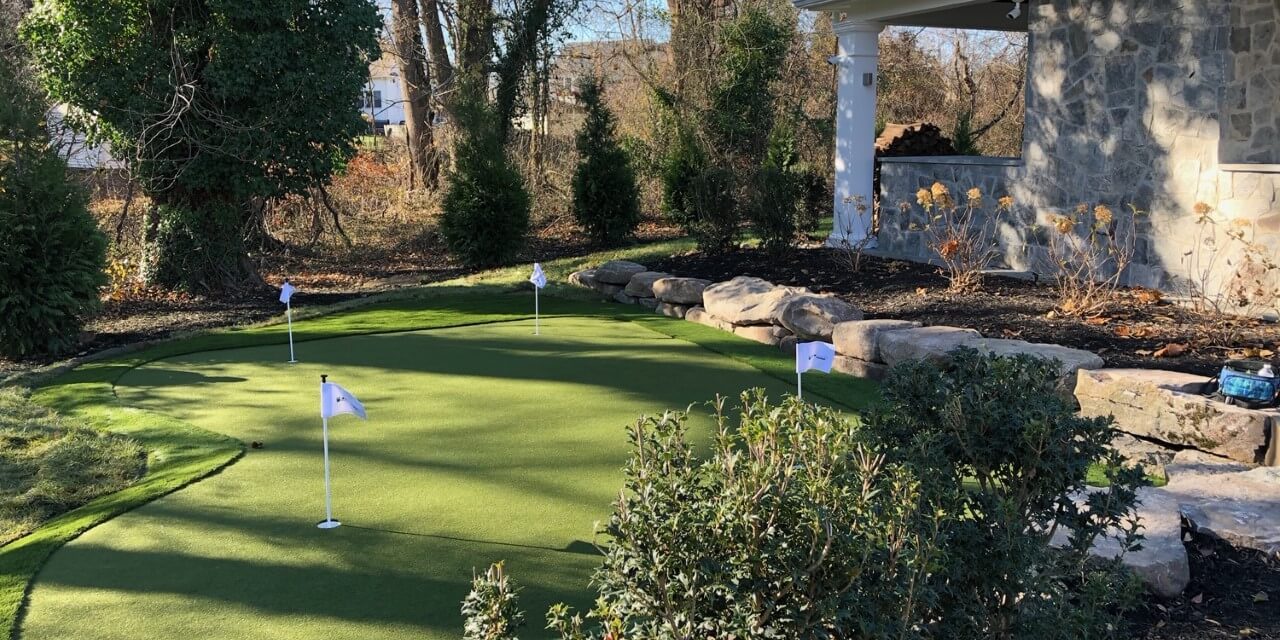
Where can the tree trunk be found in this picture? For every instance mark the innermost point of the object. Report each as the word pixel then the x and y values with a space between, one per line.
pixel 441 67
pixel 416 85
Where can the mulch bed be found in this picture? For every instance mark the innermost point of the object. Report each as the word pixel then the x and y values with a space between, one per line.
pixel 1131 332
pixel 1233 593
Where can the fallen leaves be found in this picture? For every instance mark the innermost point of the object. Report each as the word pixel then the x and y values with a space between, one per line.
pixel 1134 331
pixel 1097 321
pixel 1251 352
pixel 1148 296
pixel 1260 596
pixel 1171 350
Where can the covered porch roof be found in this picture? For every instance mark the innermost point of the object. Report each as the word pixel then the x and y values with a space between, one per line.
pixel 952 14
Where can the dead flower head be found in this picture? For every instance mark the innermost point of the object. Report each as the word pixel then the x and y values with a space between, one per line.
pixel 1102 213
pixel 1006 202
pixel 1063 224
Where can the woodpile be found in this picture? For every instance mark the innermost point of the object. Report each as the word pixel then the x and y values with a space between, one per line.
pixel 913 139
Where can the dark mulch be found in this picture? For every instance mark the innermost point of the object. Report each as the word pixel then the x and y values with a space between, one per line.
pixel 1233 593
pixel 1129 333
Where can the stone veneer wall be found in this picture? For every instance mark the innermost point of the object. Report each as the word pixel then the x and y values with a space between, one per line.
pixel 1251 102
pixel 1125 106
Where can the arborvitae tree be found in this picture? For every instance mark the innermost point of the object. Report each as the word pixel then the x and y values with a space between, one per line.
pixel 606 201
pixel 51 261
pixel 486 207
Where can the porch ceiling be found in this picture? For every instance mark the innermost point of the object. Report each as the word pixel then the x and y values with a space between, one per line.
pixel 952 14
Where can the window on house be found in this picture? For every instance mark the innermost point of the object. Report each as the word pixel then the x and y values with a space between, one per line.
pixel 371 100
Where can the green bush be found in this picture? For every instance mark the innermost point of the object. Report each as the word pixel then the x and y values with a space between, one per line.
pixel 196 249
pixel 929 519
pixel 712 209
pixel 490 609
pixel 47 467
pixel 606 201
pixel 995 444
pixel 486 207
pixel 51 252
pixel 775 211
pixel 681 163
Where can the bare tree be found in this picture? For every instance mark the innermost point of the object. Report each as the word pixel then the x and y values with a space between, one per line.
pixel 411 57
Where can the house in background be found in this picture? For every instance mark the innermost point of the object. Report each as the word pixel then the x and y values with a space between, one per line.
pixel 1159 104
pixel 382 102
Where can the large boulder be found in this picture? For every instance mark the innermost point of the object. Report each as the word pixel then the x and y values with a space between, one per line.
pixel 925 343
pixel 860 368
pixel 641 284
pixel 671 310
pixel 1162 562
pixel 687 291
pixel 700 316
pixel 1152 457
pixel 1071 360
pixel 1167 406
pixel 860 338
pixel 585 279
pixel 814 317
pixel 1228 500
pixel 763 334
pixel 748 301
pixel 618 272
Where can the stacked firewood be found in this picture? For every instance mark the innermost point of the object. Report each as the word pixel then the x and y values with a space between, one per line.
pixel 913 139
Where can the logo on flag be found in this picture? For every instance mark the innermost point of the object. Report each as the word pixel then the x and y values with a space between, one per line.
pixel 286 292
pixel 334 400
pixel 539 279
pixel 815 355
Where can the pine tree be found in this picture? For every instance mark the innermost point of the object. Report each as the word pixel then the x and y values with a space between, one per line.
pixel 606 201
pixel 51 261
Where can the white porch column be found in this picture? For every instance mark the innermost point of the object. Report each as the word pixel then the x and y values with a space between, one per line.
pixel 857 63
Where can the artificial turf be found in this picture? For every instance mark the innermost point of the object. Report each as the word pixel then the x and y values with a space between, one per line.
pixel 485 443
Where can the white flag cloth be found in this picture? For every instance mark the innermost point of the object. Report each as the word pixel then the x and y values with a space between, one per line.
pixel 539 279
pixel 286 292
pixel 334 400
pixel 815 355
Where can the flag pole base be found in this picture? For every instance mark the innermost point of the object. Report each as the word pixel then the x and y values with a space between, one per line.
pixel 328 524
pixel 293 362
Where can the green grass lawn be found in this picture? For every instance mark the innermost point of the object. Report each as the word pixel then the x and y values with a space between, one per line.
pixel 484 442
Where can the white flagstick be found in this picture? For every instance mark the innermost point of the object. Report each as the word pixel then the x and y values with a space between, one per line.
pixel 288 312
pixel 329 522
pixel 799 379
pixel 539 280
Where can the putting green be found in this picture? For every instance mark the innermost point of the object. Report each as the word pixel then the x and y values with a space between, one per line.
pixel 484 443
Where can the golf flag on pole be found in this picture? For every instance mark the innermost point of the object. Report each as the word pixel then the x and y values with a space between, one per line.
pixel 813 355
pixel 539 280
pixel 286 295
pixel 334 401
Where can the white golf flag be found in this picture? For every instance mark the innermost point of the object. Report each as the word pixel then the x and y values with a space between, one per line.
pixel 815 355
pixel 539 279
pixel 286 292
pixel 335 400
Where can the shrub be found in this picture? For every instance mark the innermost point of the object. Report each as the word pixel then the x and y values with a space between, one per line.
pixel 1229 272
pixel 490 609
pixel 712 209
pixel 606 201
pixel 1000 427
pixel 961 234
pixel 930 519
pixel 681 164
pixel 789 528
pixel 1089 250
pixel 49 467
pixel 486 208
pixel 53 256
pixel 774 210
